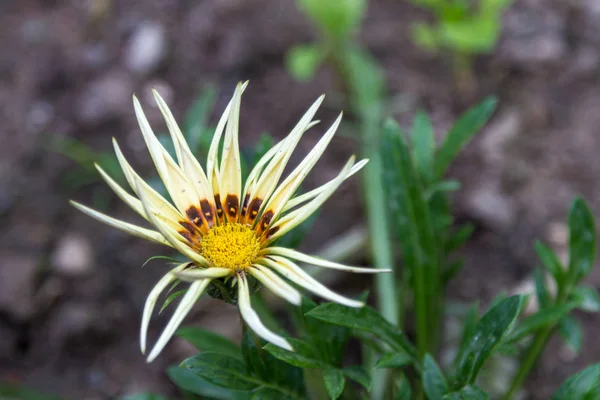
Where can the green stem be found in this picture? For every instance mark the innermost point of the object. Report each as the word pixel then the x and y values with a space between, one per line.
pixel 531 356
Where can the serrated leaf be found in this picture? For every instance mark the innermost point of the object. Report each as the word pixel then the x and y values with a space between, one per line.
pixel 550 261
pixel 582 240
pixel 396 359
pixel 540 319
pixel 206 340
pixel 586 298
pixel 469 392
pixel 571 332
pixel 487 335
pixel 301 357
pixel 423 145
pixel 302 61
pixel 334 382
pixel 434 382
pixel 462 132
pixel 185 379
pixel 585 385
pixel 222 370
pixel 359 375
pixel 366 319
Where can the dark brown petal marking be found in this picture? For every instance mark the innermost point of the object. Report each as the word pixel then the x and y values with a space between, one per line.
pixel 254 208
pixel 188 227
pixel 245 205
pixel 208 212
pixel 232 203
pixel 193 213
pixel 266 220
pixel 219 206
pixel 271 232
pixel 187 235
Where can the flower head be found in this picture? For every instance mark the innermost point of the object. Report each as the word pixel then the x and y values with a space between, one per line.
pixel 226 229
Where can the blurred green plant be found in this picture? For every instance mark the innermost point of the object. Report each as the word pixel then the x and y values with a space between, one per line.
pixel 462 28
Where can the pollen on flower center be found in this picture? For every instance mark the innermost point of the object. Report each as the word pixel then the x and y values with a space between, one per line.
pixel 234 246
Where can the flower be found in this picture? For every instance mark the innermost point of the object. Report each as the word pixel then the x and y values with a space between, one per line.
pixel 225 229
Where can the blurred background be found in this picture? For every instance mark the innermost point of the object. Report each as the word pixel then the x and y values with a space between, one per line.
pixel 72 289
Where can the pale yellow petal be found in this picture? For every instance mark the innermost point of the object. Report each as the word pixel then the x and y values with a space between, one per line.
pixel 275 284
pixel 193 274
pixel 128 199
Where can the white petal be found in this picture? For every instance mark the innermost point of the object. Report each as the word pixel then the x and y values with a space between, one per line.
pixel 193 274
pixel 169 233
pixel 294 218
pixel 315 192
pixel 134 230
pixel 289 186
pixel 296 255
pixel 275 284
pixel 297 275
pixel 151 302
pixel 252 319
pixel 187 301
pixel 128 199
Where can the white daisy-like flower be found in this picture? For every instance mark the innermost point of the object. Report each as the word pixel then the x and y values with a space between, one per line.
pixel 227 229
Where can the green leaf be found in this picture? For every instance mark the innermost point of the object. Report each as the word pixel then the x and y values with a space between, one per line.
pixel 366 82
pixel 221 370
pixel 170 259
pixel 205 340
pixel 302 61
pixel 359 375
pixel 267 394
pixel 425 36
pixel 170 299
pixel 302 356
pixel 11 391
pixel 434 382
pixel 473 35
pixel 571 332
pixel 396 359
pixel 404 391
pixel 550 261
pixel 423 145
pixel 469 392
pixel 582 240
pixel 468 329
pixel 334 382
pixel 487 335
pixel 441 186
pixel 185 379
pixel 584 385
pixel 540 319
pixel 336 18
pixel 587 298
pixel 462 132
pixel 366 319
pixel 541 290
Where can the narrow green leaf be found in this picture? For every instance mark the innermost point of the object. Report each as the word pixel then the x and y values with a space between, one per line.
pixel 172 297
pixel 267 394
pixel 585 385
pixel 542 318
pixel 170 259
pixel 462 132
pixel 469 392
pixel 336 18
pixel 587 298
pixel 571 332
pixel 221 370
pixel 366 319
pixel 434 382
pixel 468 329
pixel 334 382
pixel 396 359
pixel 441 187
pixel 582 240
pixel 359 375
pixel 488 334
pixel 541 290
pixel 423 145
pixel 299 358
pixel 205 340
pixel 185 379
pixel 550 261
pixel 451 270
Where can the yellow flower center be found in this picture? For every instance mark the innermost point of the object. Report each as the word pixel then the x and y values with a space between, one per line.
pixel 234 246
